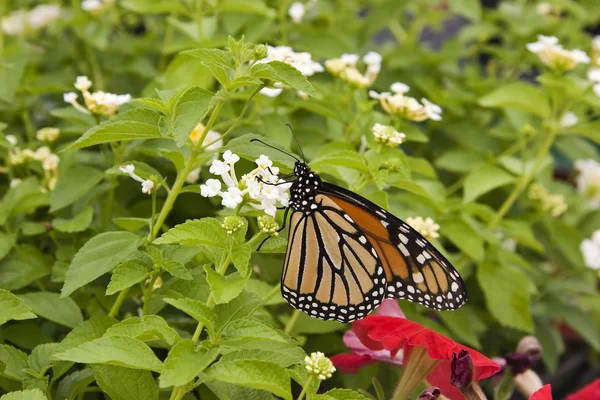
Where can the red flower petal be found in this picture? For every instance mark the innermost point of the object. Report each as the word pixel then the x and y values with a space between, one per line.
pixel 545 393
pixel 349 363
pixel 590 392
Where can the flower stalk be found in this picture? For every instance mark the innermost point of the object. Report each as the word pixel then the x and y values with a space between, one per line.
pixel 416 368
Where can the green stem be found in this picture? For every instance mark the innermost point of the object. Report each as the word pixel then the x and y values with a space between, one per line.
pixel 92 59
pixel 148 295
pixel 289 327
pixel 305 388
pixel 397 31
pixel 153 210
pixel 29 129
pixel 272 293
pixel 525 180
pixel 110 198
pixel 114 310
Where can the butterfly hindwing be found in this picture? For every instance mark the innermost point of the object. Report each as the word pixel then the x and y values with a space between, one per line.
pixel 415 269
pixel 331 271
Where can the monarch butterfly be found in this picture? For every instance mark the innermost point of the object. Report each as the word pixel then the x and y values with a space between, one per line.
pixel 346 254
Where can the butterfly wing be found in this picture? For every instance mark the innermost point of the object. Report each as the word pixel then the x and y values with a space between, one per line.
pixel 415 270
pixel 332 271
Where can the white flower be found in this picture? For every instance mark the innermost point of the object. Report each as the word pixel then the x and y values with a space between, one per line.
pixel 303 62
pixel 83 83
pixel 590 249
pixel 296 12
pixel 593 74
pixel 147 186
pixel 219 167
pixel 568 120
pixel 387 135
pixel 128 169
pixel 15 182
pixel 12 139
pixel 425 226
pixel 22 21
pixel 91 5
pixel 433 111
pixel 383 95
pixel 230 158
pixel 355 78
pixel 31 155
pixel 213 141
pixel 42 153
pixel 51 162
pixel 271 92
pixel 232 197
pixel 398 87
pixel 588 180
pixel 43 15
pixel 48 134
pixel 193 176
pixel 70 97
pixel 349 59
pixel 15 23
pixel 554 55
pixel 211 188
pixel 319 365
pixel 16 156
pixel 345 68
pixel 372 57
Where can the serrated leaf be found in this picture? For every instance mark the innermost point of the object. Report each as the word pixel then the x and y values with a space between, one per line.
pixel 520 96
pixel 507 293
pixel 219 72
pixel 78 223
pixel 126 275
pixel 117 131
pixel 197 232
pixel 219 56
pixel 290 76
pixel 184 362
pixel 253 374
pixel 13 308
pixel 116 350
pixel 13 361
pixel 197 310
pixel 89 330
pixel 23 265
pixel 251 329
pixel 284 356
pixel 242 306
pixel 29 394
pixel 190 108
pixel 125 383
pixel 63 311
pixel 73 184
pixel 98 256
pixel 240 256
pixel 156 104
pixel 224 288
pixel 484 179
pixel 147 328
pixel 178 270
pixel 39 359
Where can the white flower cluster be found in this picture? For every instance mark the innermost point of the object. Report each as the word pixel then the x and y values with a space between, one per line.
pixel 346 69
pixel 22 21
pixel 396 103
pixel 554 204
pixel 319 365
pixel 147 184
pixel 48 134
pixel 588 180
pixel 387 135
pixel 43 155
pixel 95 6
pixel 555 56
pixel 302 61
pixel 590 249
pixel 261 187
pixel 425 226
pixel 97 103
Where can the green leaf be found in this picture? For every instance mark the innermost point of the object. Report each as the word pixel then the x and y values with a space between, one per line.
pixel 508 294
pixel 197 232
pixel 39 359
pixel 89 330
pixel 185 362
pixel 70 114
pixel 484 179
pixel 7 242
pixel 254 7
pixel 178 270
pixel 253 374
pixel 460 160
pixel 470 9
pixel 74 384
pixel 98 256
pixel 146 329
pixel 518 95
pixel 242 306
pixel 78 223
pixel 463 236
pixel 126 275
pixel 580 322
pixel 249 328
pixel 63 311
pixel 155 104
pixel 566 239
pixel 13 308
pixel 131 224
pixel 219 72
pixel 521 231
pixel 73 184
pixel 191 107
pixel 341 394
pixel 197 310
pixel 116 350
pixel 240 256
pixel 342 158
pixel 153 6
pixel 218 56
pixel 14 361
pixel 12 67
pixel 506 386
pixel 22 266
pixel 465 324
pixel 225 288
pixel 283 355
pixel 25 197
pixel 589 130
pixel 125 383
pixel 29 394
pixel 287 74
pixel 116 131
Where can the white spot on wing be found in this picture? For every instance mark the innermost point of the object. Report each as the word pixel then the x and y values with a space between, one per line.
pixel 418 277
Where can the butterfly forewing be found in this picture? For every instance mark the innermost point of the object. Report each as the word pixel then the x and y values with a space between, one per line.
pixel 332 270
pixel 414 269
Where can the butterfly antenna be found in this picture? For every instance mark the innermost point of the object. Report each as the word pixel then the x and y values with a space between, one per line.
pixel 275 148
pixel 297 142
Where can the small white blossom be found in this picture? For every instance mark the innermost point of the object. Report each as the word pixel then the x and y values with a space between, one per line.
pixel 296 12
pixel 271 92
pixel 588 180
pixel 83 83
pixel 12 139
pixel 70 97
pixel 399 87
pixel 97 103
pixel 230 158
pixel 147 184
pixel 22 21
pixel 593 74
pixel 425 226
pixel 43 15
pixel 349 59
pixel 211 188
pixel 16 156
pixel 433 111
pixel 51 162
pixel 387 135
pixel 319 365
pixel 128 169
pixel 232 197
pixel 372 57
pixel 568 120
pixel 554 55
pixel 31 155
pixel 42 153
pixel 219 167
pixel 48 134
pixel 590 249
pixel 15 182
pixel 302 61
pixel 405 106
pixel 345 68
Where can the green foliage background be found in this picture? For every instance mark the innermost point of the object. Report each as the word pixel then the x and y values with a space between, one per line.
pixel 78 265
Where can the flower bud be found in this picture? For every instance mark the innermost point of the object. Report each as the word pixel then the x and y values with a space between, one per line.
pixel 319 365
pixel 260 51
pixel 461 368
pixel 233 224
pixel 430 394
pixel 268 225
pixel 520 362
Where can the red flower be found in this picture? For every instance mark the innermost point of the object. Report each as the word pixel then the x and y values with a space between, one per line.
pixel 423 349
pixel 590 392
pixel 545 393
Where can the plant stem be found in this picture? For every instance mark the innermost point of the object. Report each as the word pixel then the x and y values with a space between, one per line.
pixel 92 59
pixel 28 125
pixel 416 368
pixel 306 385
pixel 524 181
pixel 148 295
pixel 120 299
pixel 289 327
pixel 272 293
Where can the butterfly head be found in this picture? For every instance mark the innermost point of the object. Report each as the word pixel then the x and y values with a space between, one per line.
pixel 304 188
